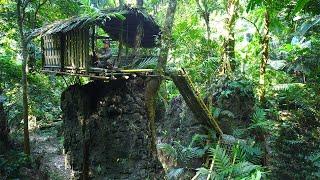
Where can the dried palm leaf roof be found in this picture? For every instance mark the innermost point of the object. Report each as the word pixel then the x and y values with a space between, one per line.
pixel 119 23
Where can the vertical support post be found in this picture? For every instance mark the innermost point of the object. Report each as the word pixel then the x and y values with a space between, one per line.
pixel 120 48
pixel 62 51
pixel 93 41
pixel 137 43
pixel 43 52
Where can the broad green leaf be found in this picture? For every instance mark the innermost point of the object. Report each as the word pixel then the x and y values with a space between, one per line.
pixel 307 25
pixel 253 3
pixel 299 6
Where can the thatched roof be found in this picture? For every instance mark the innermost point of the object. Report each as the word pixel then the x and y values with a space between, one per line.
pixel 116 22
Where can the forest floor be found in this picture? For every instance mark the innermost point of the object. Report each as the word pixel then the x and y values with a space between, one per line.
pixel 47 152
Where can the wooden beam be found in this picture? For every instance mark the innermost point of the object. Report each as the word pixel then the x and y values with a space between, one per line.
pixel 193 100
pixel 102 74
pixel 76 74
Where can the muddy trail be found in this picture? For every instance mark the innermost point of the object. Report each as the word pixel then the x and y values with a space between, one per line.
pixel 49 162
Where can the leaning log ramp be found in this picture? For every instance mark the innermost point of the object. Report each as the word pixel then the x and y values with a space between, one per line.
pixel 193 99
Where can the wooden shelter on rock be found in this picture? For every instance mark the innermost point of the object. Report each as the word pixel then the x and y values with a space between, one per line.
pixel 70 46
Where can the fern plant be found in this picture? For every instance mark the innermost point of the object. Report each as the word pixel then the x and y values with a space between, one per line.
pixel 233 165
pixel 238 162
pixel 260 122
pixel 184 155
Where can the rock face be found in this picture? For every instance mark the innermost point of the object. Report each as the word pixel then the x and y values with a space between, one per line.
pixel 235 101
pixel 179 125
pixel 107 132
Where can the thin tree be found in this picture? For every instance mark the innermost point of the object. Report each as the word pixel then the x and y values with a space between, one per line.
pixel 265 57
pixel 140 4
pixel 229 41
pixel 139 35
pixel 4 129
pixel 32 54
pixel 204 9
pixel 167 36
pixel 21 7
pixel 122 3
pixel 153 84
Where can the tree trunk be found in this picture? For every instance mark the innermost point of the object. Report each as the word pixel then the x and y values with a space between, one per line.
pixel 140 4
pixel 167 35
pixel 23 41
pixel 153 84
pixel 207 20
pixel 137 42
pixel 229 41
pixel 122 3
pixel 205 15
pixel 264 59
pixel 4 129
pixel 32 51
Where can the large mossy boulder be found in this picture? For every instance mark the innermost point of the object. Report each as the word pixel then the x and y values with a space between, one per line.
pixel 177 129
pixel 233 102
pixel 107 131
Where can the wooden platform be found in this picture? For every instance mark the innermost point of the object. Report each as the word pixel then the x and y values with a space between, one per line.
pixel 104 74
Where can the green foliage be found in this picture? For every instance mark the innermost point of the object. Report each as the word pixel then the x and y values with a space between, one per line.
pixel 232 98
pixel 296 140
pixel 231 166
pixel 302 57
pixel 260 122
pixel 240 161
pixel 289 121
pixel 184 154
pixel 175 173
pixel 44 100
pixel 10 164
pixel 299 6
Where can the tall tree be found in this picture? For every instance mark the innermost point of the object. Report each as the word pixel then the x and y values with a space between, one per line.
pixel 272 9
pixel 205 8
pixel 4 129
pixel 122 3
pixel 265 57
pixel 139 35
pixel 167 35
pixel 229 41
pixel 21 7
pixel 33 20
pixel 153 84
pixel 140 3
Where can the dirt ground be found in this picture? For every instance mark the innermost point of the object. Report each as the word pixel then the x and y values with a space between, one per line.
pixel 49 160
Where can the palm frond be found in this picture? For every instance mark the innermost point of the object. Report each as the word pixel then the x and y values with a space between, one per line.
pixel 192 153
pixel 198 139
pixel 220 158
pixel 168 149
pixel 175 173
pixel 244 169
pixel 147 62
pixel 287 86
